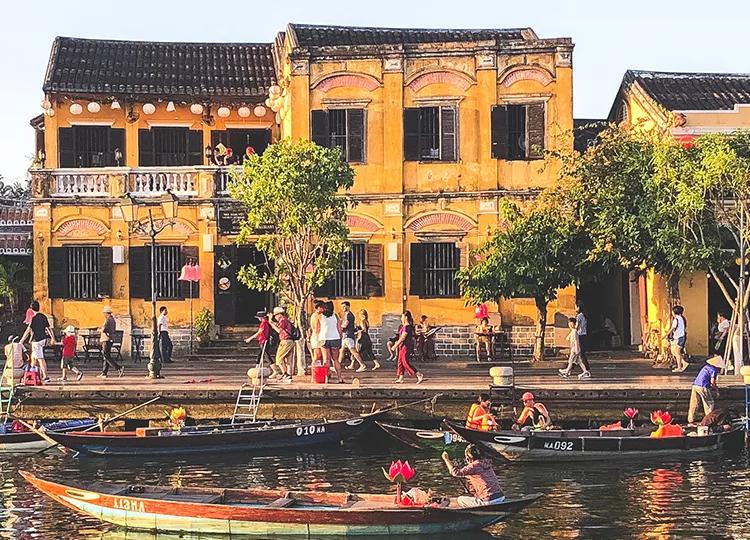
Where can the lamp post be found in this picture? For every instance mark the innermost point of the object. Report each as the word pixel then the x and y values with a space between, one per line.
pixel 129 208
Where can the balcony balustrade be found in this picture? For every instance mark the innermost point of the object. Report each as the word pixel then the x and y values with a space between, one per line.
pixel 151 181
pixel 79 183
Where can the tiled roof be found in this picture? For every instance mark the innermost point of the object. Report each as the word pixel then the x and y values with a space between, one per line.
pixel 15 230
pixel 94 66
pixel 309 35
pixel 15 215
pixel 692 91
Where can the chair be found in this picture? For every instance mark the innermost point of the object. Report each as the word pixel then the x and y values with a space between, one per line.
pixel 92 347
pixel 117 345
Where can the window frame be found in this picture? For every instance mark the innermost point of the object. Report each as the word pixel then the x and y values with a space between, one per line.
pixel 430 271
pixel 108 143
pixel 344 274
pixel 346 136
pixel 438 135
pixel 525 107
pixel 165 276
pixel 83 278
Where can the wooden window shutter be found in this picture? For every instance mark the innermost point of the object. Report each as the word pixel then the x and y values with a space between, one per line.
pixel 499 122
pixel 195 147
pixel 463 254
pixel 411 134
pixel 355 135
pixel 57 272
pixel 146 148
pixel 116 140
pixel 189 253
pixel 448 134
pixel 139 269
pixel 104 263
pixel 535 126
pixel 416 269
pixel 319 128
pixel 67 147
pixel 374 270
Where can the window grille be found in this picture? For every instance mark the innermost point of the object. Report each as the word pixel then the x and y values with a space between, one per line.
pixel 517 131
pixel 83 273
pixel 167 270
pixel 441 262
pixel 349 281
pixel 171 146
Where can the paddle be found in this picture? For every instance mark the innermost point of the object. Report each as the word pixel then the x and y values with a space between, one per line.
pixel 42 434
pixel 107 422
pixel 397 407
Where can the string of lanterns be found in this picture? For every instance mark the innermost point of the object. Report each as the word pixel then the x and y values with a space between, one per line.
pixel 278 101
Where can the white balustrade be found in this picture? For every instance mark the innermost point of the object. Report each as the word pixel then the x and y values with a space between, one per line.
pixel 221 181
pixel 80 184
pixel 154 182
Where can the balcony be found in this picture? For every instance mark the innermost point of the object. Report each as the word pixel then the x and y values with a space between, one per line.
pixel 153 181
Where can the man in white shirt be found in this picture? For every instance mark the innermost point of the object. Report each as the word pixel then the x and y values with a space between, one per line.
pixel 165 343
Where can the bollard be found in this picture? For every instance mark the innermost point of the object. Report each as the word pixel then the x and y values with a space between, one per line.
pixel 502 376
pixel 254 375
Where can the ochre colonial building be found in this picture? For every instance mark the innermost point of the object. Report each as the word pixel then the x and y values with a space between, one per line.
pixel 689 105
pixel 438 125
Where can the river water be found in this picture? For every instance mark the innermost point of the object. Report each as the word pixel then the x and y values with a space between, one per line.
pixel 709 498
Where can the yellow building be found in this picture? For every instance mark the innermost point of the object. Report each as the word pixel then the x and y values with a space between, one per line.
pixel 438 125
pixel 689 105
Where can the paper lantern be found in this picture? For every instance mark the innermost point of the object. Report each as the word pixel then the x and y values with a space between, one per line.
pixel 171 107
pixel 148 108
pixel 243 111
pixel 196 108
pixel 277 117
pixel 223 112
pixel 50 112
pixel 268 102
pixel 75 108
pixel 115 104
pixel 274 90
pixel 259 111
pixel 46 104
pixel 93 107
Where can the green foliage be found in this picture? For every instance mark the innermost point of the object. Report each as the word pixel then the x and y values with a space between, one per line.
pixel 204 323
pixel 13 281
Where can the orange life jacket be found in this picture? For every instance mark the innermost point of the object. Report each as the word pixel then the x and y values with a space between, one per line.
pixel 479 419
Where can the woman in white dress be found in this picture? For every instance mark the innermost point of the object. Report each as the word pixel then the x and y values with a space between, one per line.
pixel 329 337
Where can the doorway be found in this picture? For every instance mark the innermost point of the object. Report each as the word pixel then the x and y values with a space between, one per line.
pixel 607 306
pixel 236 304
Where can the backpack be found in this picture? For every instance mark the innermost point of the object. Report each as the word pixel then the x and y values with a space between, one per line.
pixel 31 378
pixel 295 334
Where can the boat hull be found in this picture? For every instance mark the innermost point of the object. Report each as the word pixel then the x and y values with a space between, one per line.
pixel 214 439
pixel 593 445
pixel 28 442
pixel 143 513
pixel 437 440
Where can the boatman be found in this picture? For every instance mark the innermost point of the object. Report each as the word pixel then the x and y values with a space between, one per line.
pixel 483 482
pixel 533 416
pixel 480 417
pixel 704 387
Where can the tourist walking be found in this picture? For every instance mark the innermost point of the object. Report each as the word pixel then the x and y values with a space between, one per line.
pixel 69 343
pixel 348 338
pixel 364 342
pixel 316 352
pixel 285 353
pixel 704 387
pixel 37 332
pixel 677 337
pixel 582 330
pixel 263 335
pixel 165 342
pixel 480 474
pixel 404 348
pixel 330 338
pixel 106 337
pixel 574 342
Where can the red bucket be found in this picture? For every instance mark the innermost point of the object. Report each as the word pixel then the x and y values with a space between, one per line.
pixel 320 374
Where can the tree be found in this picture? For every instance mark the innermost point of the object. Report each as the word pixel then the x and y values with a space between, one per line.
pixel 542 249
pixel 296 211
pixel 13 281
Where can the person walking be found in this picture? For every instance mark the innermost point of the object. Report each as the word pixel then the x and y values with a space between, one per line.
pixel 165 342
pixel 348 338
pixel 404 348
pixel 263 335
pixel 575 350
pixel 677 337
pixel 285 353
pixel 37 332
pixel 704 387
pixel 316 351
pixel 583 341
pixel 364 342
pixel 107 335
pixel 330 338
pixel 69 343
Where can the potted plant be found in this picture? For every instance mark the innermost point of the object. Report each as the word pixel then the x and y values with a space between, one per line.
pixel 204 325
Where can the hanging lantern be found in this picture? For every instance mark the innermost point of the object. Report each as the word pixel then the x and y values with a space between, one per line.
pixel 274 90
pixel 259 111
pixel 50 112
pixel 196 108
pixel 243 111
pixel 93 107
pixel 75 108
pixel 115 104
pixel 268 102
pixel 171 107
pixel 277 117
pixel 223 112
pixel 148 108
pixel 46 104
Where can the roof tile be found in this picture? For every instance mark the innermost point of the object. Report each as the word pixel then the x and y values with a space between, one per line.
pixel 693 91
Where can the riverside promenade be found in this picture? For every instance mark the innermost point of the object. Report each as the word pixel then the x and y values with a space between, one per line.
pixel 208 390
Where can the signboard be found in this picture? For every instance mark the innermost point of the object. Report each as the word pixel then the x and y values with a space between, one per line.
pixel 230 217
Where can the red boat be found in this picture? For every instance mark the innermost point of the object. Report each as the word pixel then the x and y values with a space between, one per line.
pixel 251 512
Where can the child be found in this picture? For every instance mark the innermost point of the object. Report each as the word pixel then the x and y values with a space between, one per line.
pixel 575 352
pixel 68 354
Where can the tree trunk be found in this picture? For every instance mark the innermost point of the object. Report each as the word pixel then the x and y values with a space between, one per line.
pixel 673 290
pixel 541 327
pixel 300 320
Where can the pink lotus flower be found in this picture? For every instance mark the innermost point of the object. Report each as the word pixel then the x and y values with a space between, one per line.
pixel 630 412
pixel 399 472
pixel 661 418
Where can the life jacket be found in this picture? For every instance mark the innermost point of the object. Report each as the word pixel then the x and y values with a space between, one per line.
pixel 474 422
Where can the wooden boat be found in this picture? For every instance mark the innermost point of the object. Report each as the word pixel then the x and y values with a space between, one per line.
pixel 29 442
pixel 424 439
pixel 242 512
pixel 593 444
pixel 255 436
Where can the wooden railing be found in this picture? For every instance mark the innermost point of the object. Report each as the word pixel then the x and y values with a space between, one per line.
pixel 182 181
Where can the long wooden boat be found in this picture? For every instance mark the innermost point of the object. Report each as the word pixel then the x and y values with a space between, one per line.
pixel 248 512
pixel 425 439
pixel 12 442
pixel 593 444
pixel 248 437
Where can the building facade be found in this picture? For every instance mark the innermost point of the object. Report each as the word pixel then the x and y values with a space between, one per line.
pixel 439 125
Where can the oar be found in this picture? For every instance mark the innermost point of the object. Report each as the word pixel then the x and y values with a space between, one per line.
pixel 106 423
pixel 43 435
pixel 396 407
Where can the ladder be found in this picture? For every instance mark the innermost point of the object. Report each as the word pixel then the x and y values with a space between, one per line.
pixel 248 403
